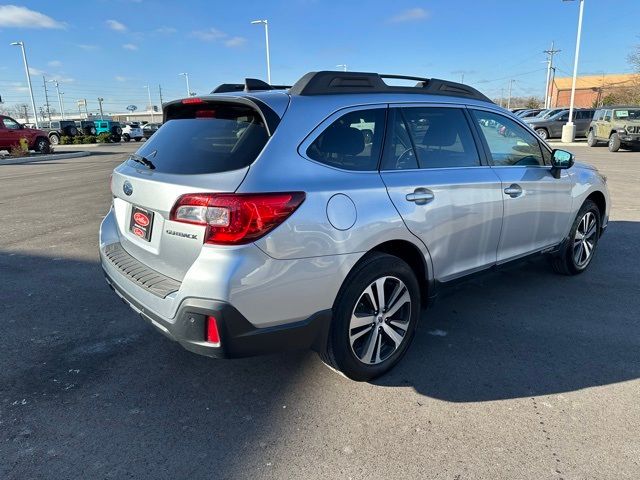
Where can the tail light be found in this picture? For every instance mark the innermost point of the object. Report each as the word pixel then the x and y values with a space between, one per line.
pixel 213 336
pixel 234 219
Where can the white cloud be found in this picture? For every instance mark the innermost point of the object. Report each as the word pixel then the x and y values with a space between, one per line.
pixel 209 35
pixel 13 16
pixel 235 42
pixel 166 30
pixel 411 15
pixel 55 63
pixel 87 48
pixel 115 25
pixel 130 46
pixel 35 71
pixel 120 78
pixel 62 79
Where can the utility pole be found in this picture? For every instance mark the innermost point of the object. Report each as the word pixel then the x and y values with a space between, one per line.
pixel 100 100
pixel 510 88
pixel 86 110
pixel 553 82
pixel 462 79
pixel 46 97
pixel 550 53
pixel 160 92
pixel 26 114
pixel 55 82
pixel 501 96
pixel 150 104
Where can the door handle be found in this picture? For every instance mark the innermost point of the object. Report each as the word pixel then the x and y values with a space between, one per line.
pixel 420 196
pixel 514 190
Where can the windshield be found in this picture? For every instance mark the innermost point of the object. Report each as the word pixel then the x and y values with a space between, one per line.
pixel 627 114
pixel 206 138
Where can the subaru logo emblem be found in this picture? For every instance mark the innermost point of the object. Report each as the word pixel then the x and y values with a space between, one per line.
pixel 127 188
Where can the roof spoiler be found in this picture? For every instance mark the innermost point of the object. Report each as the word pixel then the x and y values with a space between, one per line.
pixel 249 85
pixel 332 82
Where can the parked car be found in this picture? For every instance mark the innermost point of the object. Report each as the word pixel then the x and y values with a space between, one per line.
pixel 552 127
pixel 550 112
pixel 618 126
pixel 109 126
pixel 11 132
pixel 215 246
pixel 132 131
pixel 149 129
pixel 86 127
pixel 59 128
pixel 529 113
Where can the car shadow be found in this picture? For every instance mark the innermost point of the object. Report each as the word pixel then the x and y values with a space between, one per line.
pixel 525 331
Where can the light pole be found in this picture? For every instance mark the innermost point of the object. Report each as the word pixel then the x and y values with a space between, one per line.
pixel 62 103
pixel 55 83
pixel 100 100
pixel 343 66
pixel 266 38
pixel 569 129
pixel 150 104
pixel 26 69
pixel 186 77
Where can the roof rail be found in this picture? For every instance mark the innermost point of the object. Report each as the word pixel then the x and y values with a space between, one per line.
pixel 333 82
pixel 249 85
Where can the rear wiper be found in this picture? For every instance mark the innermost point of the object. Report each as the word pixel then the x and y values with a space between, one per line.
pixel 143 160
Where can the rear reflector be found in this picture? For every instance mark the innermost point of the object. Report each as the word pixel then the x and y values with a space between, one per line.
pixel 236 218
pixel 212 330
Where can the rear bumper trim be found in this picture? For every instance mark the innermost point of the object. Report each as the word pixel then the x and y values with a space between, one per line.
pixel 238 336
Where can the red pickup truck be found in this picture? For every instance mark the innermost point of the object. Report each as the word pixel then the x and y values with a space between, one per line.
pixel 11 132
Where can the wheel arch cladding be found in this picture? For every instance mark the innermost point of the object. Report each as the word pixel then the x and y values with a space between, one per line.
pixel 411 254
pixel 598 198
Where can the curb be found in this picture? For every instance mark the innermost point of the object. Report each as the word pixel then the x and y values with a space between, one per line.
pixel 84 145
pixel 44 158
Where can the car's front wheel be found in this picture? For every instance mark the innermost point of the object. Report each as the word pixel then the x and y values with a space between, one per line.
pixel 578 250
pixel 374 317
pixel 542 133
pixel 126 137
pixel 591 139
pixel 614 142
pixel 42 145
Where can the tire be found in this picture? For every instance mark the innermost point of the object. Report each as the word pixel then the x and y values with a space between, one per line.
pixel 73 131
pixel 591 139
pixel 571 259
pixel 54 139
pixel 92 131
pixel 42 145
pixel 138 139
pixel 116 138
pixel 542 133
pixel 358 358
pixel 126 137
pixel 614 142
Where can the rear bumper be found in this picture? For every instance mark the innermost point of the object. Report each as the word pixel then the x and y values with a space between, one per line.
pixel 238 337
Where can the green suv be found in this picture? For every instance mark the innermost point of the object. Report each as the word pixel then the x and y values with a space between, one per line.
pixel 619 126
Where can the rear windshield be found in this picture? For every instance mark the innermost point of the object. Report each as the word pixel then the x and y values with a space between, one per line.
pixel 206 138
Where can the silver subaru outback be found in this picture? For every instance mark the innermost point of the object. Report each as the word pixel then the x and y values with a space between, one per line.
pixel 327 214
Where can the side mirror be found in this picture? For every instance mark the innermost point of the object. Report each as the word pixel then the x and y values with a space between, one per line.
pixel 561 160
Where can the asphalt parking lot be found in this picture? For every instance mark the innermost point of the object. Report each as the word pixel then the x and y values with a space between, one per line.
pixel 519 374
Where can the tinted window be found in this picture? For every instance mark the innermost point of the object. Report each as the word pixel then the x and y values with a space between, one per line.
pixel 206 138
pixel 10 123
pixel 607 116
pixel 437 138
pixel 509 143
pixel 352 142
pixel 598 115
pixel 562 118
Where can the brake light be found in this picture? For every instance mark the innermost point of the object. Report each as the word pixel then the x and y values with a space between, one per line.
pixel 188 101
pixel 212 330
pixel 234 219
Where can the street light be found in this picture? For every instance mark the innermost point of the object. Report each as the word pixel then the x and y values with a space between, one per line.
pixel 569 129
pixel 26 69
pixel 342 66
pixel 266 38
pixel 150 104
pixel 186 77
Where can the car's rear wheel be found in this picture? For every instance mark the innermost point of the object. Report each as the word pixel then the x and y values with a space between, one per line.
pixel 542 133
pixel 42 145
pixel 126 137
pixel 92 131
pixel 591 139
pixel 138 139
pixel 374 318
pixel 614 142
pixel 579 249
pixel 54 138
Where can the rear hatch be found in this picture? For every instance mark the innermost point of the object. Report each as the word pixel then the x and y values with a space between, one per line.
pixel 203 146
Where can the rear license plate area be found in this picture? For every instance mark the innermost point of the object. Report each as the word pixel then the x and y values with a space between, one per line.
pixel 141 223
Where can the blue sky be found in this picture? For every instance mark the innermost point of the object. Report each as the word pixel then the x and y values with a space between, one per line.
pixel 113 48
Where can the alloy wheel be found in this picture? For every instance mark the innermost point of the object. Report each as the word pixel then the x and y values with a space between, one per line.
pixel 380 320
pixel 585 239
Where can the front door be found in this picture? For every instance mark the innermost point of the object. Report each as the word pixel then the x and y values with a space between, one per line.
pixel 438 184
pixel 9 132
pixel 537 206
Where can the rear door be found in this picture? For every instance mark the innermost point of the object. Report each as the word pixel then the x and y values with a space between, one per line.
pixel 446 196
pixel 537 206
pixel 206 146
